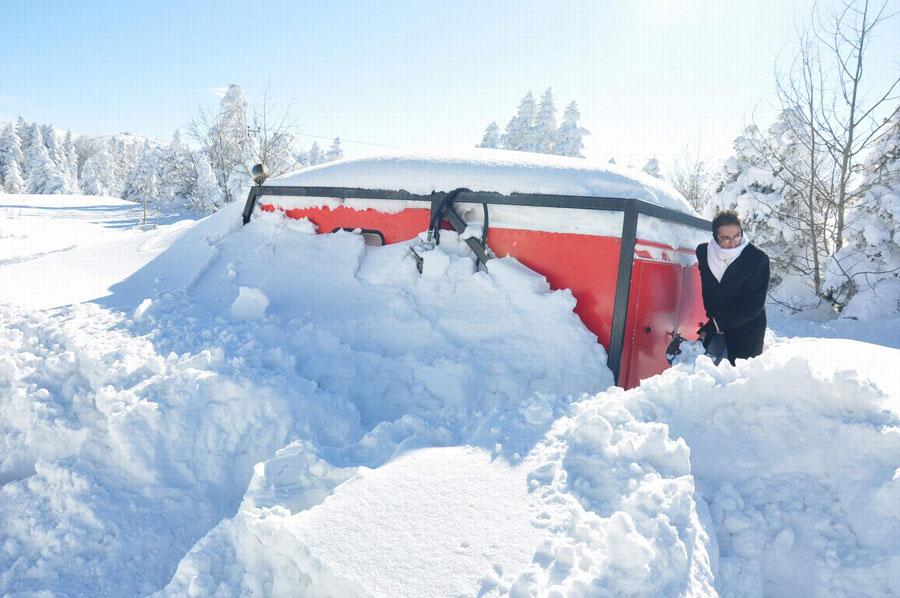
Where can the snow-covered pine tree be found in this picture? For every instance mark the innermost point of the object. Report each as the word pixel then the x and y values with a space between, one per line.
pixel 544 133
pixel 11 152
pixel 229 153
pixel 652 168
pixel 12 178
pixel 491 138
pixel 764 182
pixel 98 175
pixel 177 171
pixel 238 184
pixel 71 163
pixel 29 131
pixel 302 158
pixel 334 152
pixel 519 133
pixel 126 151
pixel 315 154
pixel 569 137
pixel 866 271
pixel 799 219
pixel 54 147
pixel 144 183
pixel 43 176
pixel 207 196
pixel 22 128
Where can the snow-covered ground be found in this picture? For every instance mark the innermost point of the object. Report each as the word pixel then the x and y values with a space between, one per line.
pixel 211 409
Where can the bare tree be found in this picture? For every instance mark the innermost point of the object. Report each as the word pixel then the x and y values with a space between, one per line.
pixel 690 177
pixel 850 123
pixel 238 135
pixel 272 134
pixel 801 89
pixel 833 124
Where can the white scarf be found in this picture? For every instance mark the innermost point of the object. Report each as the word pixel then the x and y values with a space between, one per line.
pixel 720 258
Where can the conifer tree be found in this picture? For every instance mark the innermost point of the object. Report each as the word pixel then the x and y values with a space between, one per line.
pixel 491 138
pixel 12 178
pixel 545 125
pixel 31 132
pixel 870 260
pixel 766 181
pixel 144 182
pixel 22 128
pixel 98 175
pixel 315 154
pixel 43 177
pixel 224 138
pixel 10 152
pixel 652 168
pixel 206 196
pixel 569 137
pixel 54 148
pixel 177 171
pixel 335 152
pixel 519 135
pixel 71 163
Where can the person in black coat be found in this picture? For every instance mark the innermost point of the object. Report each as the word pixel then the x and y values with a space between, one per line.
pixel 734 275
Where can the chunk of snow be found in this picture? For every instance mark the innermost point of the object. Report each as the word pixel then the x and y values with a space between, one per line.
pixel 141 309
pixel 250 304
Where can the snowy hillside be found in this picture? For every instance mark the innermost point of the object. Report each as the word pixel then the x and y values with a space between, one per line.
pixel 211 409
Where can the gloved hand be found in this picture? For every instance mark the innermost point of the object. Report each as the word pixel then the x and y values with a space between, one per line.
pixel 715 346
pixel 706 331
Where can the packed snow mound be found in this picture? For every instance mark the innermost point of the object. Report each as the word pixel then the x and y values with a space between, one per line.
pixel 263 410
pixel 603 504
pixel 479 169
pixel 128 434
pixel 776 477
pixel 797 454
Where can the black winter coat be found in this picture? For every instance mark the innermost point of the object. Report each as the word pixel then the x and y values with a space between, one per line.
pixel 738 301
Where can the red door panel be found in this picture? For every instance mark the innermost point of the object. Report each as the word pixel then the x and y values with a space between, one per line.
pixel 652 315
pixel 585 264
pixel 396 227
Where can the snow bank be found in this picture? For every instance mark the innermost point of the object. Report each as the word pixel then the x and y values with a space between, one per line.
pixel 603 504
pixel 479 169
pixel 61 249
pixel 370 430
pixel 796 453
pixel 127 435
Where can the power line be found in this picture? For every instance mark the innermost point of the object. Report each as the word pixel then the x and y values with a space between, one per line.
pixel 345 140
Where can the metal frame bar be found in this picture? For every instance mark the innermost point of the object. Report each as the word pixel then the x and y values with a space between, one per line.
pixel 623 291
pixel 631 209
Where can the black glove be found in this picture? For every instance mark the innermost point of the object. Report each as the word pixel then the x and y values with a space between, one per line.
pixel 674 348
pixel 707 332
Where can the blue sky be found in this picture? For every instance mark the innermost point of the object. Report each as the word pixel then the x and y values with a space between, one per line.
pixel 648 75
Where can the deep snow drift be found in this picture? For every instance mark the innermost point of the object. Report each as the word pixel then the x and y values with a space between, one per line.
pixel 263 410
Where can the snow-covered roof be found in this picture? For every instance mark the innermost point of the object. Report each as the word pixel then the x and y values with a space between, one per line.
pixel 478 169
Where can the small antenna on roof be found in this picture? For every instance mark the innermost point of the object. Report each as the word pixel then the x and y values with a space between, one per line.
pixel 259 174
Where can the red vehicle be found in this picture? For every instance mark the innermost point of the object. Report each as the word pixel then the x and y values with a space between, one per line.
pixel 624 244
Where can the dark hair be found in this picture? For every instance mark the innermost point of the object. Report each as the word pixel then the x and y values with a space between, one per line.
pixel 725 218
